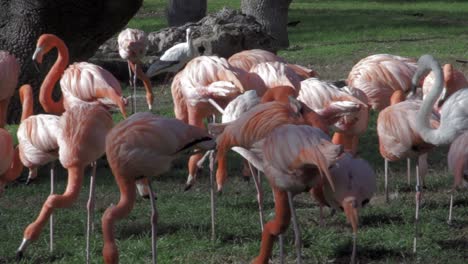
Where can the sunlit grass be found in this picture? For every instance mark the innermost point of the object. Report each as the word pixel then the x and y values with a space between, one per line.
pixel 332 36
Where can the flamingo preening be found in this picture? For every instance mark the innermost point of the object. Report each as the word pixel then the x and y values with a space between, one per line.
pixel 144 146
pixel 132 47
pixel 453 114
pixel 80 82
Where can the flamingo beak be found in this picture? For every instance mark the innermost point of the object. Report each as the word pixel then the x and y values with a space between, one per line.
pixel 37 56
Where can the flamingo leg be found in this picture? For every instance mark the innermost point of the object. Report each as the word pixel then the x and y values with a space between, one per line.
pixel 32 232
pixel 297 231
pixel 449 221
pixel 351 213
pixel 195 119
pixel 259 193
pixel 408 170
pixel 138 71
pixel 418 201
pixel 212 194
pixel 154 221
pixel 386 181
pixel 274 227
pixel 51 218
pixel 122 209
pixel 90 207
pixel 281 248
pixel 134 90
pixel 130 81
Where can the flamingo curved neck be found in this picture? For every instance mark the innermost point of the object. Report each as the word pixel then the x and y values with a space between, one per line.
pixel 54 75
pixel 26 98
pixel 425 64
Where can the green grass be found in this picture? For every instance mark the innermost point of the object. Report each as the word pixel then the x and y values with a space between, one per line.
pixel 332 36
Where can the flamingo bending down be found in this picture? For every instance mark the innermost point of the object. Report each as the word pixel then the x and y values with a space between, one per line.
pixel 9 73
pixel 453 114
pixel 294 157
pixel 144 145
pixel 203 78
pixel 37 135
pixel 379 75
pixel 458 164
pixel 80 82
pixel 355 184
pixel 132 47
pixel 247 59
pixel 317 94
pixel 266 75
pixel 175 58
pixel 81 140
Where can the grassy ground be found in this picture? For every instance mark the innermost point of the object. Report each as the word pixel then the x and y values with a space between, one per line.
pixel 332 36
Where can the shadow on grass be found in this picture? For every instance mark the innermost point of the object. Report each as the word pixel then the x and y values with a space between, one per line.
pixel 142 228
pixel 368 254
pixel 380 219
pixel 459 245
pixel 34 260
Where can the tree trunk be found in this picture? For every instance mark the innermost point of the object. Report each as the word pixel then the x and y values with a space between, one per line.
pixel 273 15
pixel 180 12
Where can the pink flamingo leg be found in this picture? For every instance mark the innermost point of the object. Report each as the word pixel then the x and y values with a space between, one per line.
pixel 274 227
pixel 418 201
pixel 138 71
pixel 51 219
pixel 32 232
pixel 122 209
pixel 154 222
pixel 212 194
pixel 90 207
pixel 297 231
pixel 258 187
pixel 386 181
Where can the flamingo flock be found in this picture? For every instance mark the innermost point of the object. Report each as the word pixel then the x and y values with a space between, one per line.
pixel 300 131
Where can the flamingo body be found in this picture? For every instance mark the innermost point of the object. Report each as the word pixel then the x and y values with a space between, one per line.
pixel 379 75
pixel 132 44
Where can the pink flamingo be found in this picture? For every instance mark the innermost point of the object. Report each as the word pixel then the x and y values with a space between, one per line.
pixel 454 80
pixel 144 146
pixel 453 114
pixel 266 75
pixel 37 135
pixel 458 164
pixel 203 79
pixel 80 82
pixel 294 157
pixel 355 184
pixel 379 75
pixel 317 94
pixel 399 138
pixel 247 59
pixel 79 145
pixel 9 73
pixel 132 47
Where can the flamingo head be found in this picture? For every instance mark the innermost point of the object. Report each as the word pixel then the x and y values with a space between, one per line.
pixel 44 44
